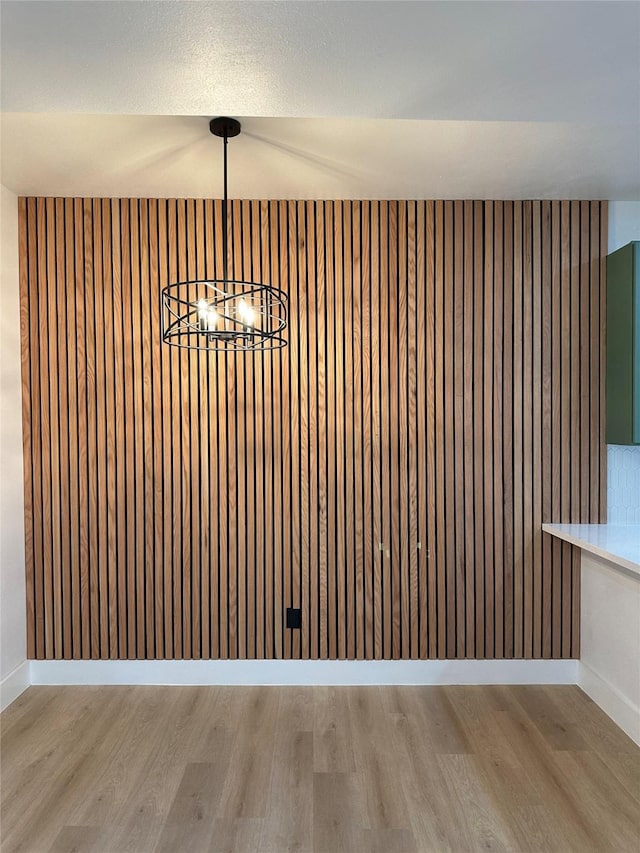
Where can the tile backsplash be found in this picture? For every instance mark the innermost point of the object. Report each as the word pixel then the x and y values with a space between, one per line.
pixel 623 484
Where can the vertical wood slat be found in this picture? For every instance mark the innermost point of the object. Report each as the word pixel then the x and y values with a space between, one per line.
pixel 528 439
pixel 303 407
pixel 566 417
pixel 221 409
pixel 277 275
pixel 358 430
pixel 95 454
pixel 295 569
pixel 100 530
pixel 440 429
pixel 73 613
pixel 148 313
pixel 552 509
pixel 165 595
pixel 413 541
pixel 229 393
pixel 385 476
pixel 430 499
pixel 348 613
pixel 467 485
pixel 546 408
pixel 337 474
pixel 286 507
pixel 28 354
pixel 367 439
pixel 176 527
pixel 508 444
pixel 240 431
pixel 595 288
pixel 376 433
pixel 313 253
pixel 421 431
pixel 395 286
pixel 403 431
pixel 109 495
pixel 57 393
pixel 477 558
pixel 459 519
pixel 137 469
pixel 212 568
pixel 585 360
pixel 488 429
pixel 330 616
pixel 46 417
pixel 321 429
pixel 202 416
pixel 600 429
pixel 81 426
pixel 448 430
pixel 536 429
pixel 184 434
pixel 517 420
pixel 441 396
pixel 193 454
pixel 498 431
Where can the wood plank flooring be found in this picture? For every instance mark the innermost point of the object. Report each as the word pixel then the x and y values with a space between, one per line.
pixel 274 769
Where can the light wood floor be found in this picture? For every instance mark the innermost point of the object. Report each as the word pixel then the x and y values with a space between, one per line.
pixel 387 769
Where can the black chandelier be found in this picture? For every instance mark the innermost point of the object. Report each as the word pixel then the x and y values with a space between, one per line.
pixel 224 314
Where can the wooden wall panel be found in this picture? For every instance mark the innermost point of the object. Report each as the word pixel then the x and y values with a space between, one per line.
pixel 388 472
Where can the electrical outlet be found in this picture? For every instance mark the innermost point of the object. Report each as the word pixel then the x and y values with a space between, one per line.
pixel 294 617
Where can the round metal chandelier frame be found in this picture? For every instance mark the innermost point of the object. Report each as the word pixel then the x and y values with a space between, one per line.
pixel 249 319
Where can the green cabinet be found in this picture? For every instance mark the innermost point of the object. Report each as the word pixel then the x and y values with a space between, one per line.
pixel 623 345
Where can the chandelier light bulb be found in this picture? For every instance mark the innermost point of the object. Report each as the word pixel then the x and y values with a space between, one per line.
pixel 246 312
pixel 212 320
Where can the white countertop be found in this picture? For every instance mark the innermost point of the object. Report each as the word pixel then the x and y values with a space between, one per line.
pixel 619 543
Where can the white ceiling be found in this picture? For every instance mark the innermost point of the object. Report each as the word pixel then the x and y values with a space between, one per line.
pixel 160 156
pixel 342 99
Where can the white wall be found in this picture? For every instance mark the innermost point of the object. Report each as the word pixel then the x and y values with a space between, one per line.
pixel 623 463
pixel 610 640
pixel 623 484
pixel 624 223
pixel 13 648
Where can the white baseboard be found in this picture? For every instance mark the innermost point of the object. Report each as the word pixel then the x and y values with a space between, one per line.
pixel 615 704
pixel 303 672
pixel 14 684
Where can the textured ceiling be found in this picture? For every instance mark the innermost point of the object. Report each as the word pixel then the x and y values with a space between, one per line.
pixel 505 99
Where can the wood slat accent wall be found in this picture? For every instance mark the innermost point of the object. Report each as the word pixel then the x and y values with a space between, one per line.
pixel 441 396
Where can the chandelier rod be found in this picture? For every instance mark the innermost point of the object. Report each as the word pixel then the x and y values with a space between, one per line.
pixel 225 220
